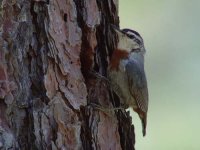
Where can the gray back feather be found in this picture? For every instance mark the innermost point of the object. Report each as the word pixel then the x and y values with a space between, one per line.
pixel 137 84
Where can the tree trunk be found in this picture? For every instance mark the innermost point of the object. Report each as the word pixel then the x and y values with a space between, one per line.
pixel 53 56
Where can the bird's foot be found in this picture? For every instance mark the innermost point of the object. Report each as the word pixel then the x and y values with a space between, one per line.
pixel 99 76
pixel 107 110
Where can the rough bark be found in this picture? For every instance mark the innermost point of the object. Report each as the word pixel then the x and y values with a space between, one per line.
pixel 52 56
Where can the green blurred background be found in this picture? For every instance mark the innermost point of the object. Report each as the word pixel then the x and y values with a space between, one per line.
pixel 171 32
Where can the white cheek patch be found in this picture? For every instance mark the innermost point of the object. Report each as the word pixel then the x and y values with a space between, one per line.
pixel 132 44
pixel 127 44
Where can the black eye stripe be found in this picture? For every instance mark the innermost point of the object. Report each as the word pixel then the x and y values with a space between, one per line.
pixel 128 30
pixel 137 41
pixel 131 36
pixel 135 50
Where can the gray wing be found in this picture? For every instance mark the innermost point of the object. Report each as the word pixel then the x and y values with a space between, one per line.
pixel 137 84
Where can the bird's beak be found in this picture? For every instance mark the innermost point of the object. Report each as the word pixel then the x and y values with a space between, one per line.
pixel 115 28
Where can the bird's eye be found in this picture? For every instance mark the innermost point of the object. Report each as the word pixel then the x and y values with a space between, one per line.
pixel 131 36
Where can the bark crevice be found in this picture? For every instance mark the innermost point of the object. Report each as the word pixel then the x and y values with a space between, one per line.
pixel 52 57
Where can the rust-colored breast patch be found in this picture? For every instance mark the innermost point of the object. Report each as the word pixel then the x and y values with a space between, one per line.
pixel 117 55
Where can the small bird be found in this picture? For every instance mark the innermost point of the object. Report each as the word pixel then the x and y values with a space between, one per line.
pixel 126 73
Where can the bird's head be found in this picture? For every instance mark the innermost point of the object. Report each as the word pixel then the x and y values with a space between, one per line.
pixel 130 41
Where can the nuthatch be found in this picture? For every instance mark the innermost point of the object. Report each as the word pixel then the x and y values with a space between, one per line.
pixel 126 73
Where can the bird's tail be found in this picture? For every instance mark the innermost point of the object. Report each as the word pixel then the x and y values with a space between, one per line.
pixel 143 118
pixel 144 124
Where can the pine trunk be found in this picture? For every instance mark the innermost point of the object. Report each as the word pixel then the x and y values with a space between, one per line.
pixel 53 67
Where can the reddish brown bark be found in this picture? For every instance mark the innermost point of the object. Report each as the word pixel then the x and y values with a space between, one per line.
pixel 50 55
